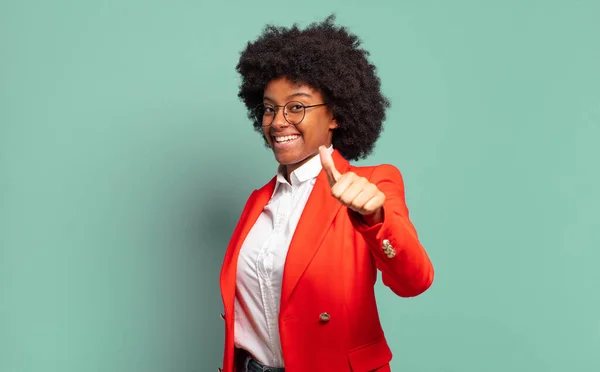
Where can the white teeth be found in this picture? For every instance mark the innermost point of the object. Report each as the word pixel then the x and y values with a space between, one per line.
pixel 286 138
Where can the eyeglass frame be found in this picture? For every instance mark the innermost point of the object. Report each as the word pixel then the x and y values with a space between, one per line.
pixel 276 107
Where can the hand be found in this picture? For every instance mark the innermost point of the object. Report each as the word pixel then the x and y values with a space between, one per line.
pixel 354 192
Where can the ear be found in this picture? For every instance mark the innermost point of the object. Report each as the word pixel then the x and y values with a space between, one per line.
pixel 333 123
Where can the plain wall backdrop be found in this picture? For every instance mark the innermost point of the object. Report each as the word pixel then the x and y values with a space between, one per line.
pixel 126 158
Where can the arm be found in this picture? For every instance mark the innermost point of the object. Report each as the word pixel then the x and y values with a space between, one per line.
pixel 409 271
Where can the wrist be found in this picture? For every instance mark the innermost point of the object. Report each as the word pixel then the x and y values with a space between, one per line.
pixel 373 218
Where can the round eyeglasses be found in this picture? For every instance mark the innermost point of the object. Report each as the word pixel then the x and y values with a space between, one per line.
pixel 293 112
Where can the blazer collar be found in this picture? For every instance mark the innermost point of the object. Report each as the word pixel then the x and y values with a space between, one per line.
pixel 254 206
pixel 315 221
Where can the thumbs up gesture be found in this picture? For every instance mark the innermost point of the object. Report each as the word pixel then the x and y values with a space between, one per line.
pixel 353 191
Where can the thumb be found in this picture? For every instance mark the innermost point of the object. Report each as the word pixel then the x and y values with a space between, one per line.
pixel 327 161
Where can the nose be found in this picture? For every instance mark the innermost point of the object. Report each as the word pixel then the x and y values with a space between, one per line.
pixel 279 119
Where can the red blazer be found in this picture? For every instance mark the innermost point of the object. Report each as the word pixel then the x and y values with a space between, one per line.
pixel 328 317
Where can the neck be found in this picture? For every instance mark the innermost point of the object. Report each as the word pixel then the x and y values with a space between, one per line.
pixel 292 167
pixel 289 168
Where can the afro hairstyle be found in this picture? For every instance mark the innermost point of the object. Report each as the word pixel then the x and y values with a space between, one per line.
pixel 329 59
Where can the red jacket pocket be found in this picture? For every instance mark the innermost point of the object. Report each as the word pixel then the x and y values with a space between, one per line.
pixel 371 356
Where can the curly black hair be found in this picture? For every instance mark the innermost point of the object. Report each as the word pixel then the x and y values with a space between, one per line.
pixel 329 59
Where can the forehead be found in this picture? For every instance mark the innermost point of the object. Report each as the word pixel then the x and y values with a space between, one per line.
pixel 282 88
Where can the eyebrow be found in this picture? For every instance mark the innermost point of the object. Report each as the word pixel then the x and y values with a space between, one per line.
pixel 299 94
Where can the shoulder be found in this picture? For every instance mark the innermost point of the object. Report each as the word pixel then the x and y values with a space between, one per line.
pixel 386 177
pixel 373 172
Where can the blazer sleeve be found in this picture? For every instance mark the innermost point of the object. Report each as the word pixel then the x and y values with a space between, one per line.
pixel 405 266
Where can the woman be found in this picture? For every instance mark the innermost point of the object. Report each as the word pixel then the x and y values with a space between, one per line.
pixel 298 276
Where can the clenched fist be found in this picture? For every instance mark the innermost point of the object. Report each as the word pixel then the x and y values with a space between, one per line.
pixel 353 191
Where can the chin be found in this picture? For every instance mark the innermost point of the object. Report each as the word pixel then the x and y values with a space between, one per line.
pixel 285 159
pixel 288 157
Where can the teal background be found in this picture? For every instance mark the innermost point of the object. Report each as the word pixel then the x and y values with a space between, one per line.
pixel 126 158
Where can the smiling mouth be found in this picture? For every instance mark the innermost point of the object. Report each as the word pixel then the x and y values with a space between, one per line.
pixel 285 139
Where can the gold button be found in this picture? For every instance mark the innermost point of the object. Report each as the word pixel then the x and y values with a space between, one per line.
pixel 324 317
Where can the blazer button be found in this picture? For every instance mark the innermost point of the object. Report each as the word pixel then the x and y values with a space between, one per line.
pixel 324 317
pixel 222 316
pixel 388 249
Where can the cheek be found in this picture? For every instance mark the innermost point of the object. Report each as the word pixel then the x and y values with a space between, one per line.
pixel 320 131
pixel 267 136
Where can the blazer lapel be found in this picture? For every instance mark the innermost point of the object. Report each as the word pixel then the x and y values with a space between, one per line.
pixel 252 211
pixel 315 220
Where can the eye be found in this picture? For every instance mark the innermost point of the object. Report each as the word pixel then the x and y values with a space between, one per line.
pixel 268 110
pixel 296 107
